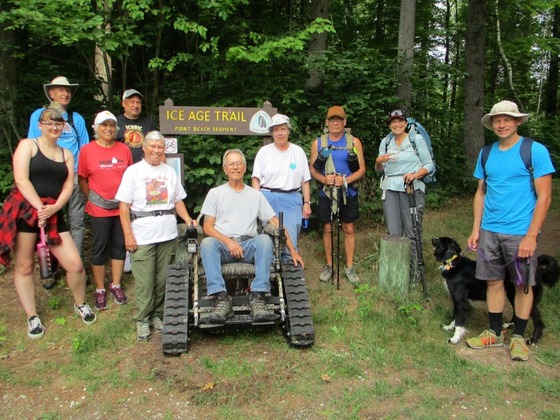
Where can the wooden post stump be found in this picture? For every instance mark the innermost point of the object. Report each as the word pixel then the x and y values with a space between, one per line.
pixel 394 265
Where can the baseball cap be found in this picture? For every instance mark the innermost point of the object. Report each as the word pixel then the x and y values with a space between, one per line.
pixel 60 81
pixel 397 113
pixel 503 108
pixel 279 119
pixel 336 111
pixel 104 116
pixel 131 92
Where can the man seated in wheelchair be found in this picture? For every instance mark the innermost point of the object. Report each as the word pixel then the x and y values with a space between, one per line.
pixel 231 215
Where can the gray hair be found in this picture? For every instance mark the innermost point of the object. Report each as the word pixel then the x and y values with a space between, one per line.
pixel 153 135
pixel 96 126
pixel 229 152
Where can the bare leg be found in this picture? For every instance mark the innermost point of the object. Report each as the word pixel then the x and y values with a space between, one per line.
pixel 523 302
pixel 23 272
pixel 327 243
pixel 99 275
pixel 496 296
pixel 349 242
pixel 69 258
pixel 117 267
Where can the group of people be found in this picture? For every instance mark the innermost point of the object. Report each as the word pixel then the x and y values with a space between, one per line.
pixel 132 198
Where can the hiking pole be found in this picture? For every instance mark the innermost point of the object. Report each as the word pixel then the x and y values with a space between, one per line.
pixel 338 239
pixel 419 269
pixel 332 236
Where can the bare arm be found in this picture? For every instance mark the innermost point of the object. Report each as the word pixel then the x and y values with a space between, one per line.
pixel 21 160
pixel 478 207
pixel 306 193
pixel 256 183
pixel 183 213
pixel 296 258
pixel 84 185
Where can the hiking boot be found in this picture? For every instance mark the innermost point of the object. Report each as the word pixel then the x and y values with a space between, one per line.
pixel 85 313
pixel 222 309
pixel 351 275
pixel 518 349
pixel 118 293
pixel 326 274
pixel 157 324
pixel 35 328
pixel 143 331
pixel 487 338
pixel 101 300
pixel 259 313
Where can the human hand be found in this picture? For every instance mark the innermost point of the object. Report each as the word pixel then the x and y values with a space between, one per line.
pixel 234 249
pixel 330 179
pixel 297 259
pixel 527 247
pixel 472 242
pixel 387 157
pixel 130 243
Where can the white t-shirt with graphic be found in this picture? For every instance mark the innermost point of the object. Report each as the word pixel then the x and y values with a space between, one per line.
pixel 150 188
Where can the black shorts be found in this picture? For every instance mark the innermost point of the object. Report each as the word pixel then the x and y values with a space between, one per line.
pixel 107 239
pixel 60 225
pixel 348 213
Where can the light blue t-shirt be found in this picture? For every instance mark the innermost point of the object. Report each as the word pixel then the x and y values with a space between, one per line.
pixel 510 198
pixel 69 139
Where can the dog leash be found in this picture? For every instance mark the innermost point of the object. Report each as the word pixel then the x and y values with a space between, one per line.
pixel 518 263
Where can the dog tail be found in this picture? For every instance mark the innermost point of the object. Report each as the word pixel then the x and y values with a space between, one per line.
pixel 548 270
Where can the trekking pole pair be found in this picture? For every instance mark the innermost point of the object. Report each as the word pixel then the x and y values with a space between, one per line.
pixel 419 270
pixel 335 218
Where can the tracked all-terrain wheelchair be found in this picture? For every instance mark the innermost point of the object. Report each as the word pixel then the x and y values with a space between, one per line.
pixel 187 303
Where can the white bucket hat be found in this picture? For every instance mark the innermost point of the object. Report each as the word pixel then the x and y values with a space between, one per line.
pixel 503 108
pixel 60 81
pixel 279 119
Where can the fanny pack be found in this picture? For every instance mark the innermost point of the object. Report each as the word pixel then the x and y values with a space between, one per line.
pixel 138 214
pixel 101 202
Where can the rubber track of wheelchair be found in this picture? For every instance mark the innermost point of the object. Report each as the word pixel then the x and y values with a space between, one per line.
pixel 175 334
pixel 300 330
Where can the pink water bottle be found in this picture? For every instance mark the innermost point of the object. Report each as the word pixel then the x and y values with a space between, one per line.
pixel 44 257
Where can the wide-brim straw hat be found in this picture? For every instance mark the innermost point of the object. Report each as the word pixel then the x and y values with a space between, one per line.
pixel 60 81
pixel 503 108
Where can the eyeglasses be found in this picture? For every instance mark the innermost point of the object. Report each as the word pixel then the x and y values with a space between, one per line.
pixel 397 113
pixel 52 124
pixel 234 164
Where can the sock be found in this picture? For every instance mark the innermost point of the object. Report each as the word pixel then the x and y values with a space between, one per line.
pixel 520 325
pixel 100 290
pixel 115 286
pixel 496 322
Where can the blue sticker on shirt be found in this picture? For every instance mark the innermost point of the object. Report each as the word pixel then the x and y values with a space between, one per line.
pixel 292 165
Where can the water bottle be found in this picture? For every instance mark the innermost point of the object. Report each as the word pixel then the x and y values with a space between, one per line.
pixel 44 257
pixel 304 223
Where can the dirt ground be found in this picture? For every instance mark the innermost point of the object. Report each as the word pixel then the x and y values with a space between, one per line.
pixel 168 394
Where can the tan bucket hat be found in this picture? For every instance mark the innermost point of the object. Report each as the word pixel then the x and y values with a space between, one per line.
pixel 503 108
pixel 60 81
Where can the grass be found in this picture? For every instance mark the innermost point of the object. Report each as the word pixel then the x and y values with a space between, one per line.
pixel 376 356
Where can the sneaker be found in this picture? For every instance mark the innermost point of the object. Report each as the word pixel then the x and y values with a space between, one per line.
pixel 487 338
pixel 326 274
pixel 127 263
pixel 35 328
pixel 118 293
pixel 351 275
pixel 222 309
pixel 143 331
pixel 157 324
pixel 259 312
pixel 85 313
pixel 518 349
pixel 101 300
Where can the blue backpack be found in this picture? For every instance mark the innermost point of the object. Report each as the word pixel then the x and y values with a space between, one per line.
pixel 412 128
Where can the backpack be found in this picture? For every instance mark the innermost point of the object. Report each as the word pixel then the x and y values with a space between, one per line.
pixel 524 151
pixel 412 128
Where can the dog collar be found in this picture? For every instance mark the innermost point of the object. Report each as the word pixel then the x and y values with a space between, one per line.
pixel 448 265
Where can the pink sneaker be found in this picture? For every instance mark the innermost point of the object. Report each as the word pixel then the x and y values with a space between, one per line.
pixel 118 294
pixel 101 300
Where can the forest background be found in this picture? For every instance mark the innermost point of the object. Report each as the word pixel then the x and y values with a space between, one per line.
pixel 445 61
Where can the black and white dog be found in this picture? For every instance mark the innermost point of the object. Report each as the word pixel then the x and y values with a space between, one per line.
pixel 458 272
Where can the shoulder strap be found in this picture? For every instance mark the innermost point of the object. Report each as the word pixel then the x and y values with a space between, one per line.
pixel 526 153
pixel 485 153
pixel 323 140
pixel 349 142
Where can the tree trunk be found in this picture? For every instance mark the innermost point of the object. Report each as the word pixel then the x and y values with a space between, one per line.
pixel 475 61
pixel 103 64
pixel 405 60
pixel 317 45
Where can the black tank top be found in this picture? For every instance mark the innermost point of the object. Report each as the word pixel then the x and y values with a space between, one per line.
pixel 47 176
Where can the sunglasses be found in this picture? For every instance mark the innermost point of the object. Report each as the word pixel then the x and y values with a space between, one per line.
pixel 397 113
